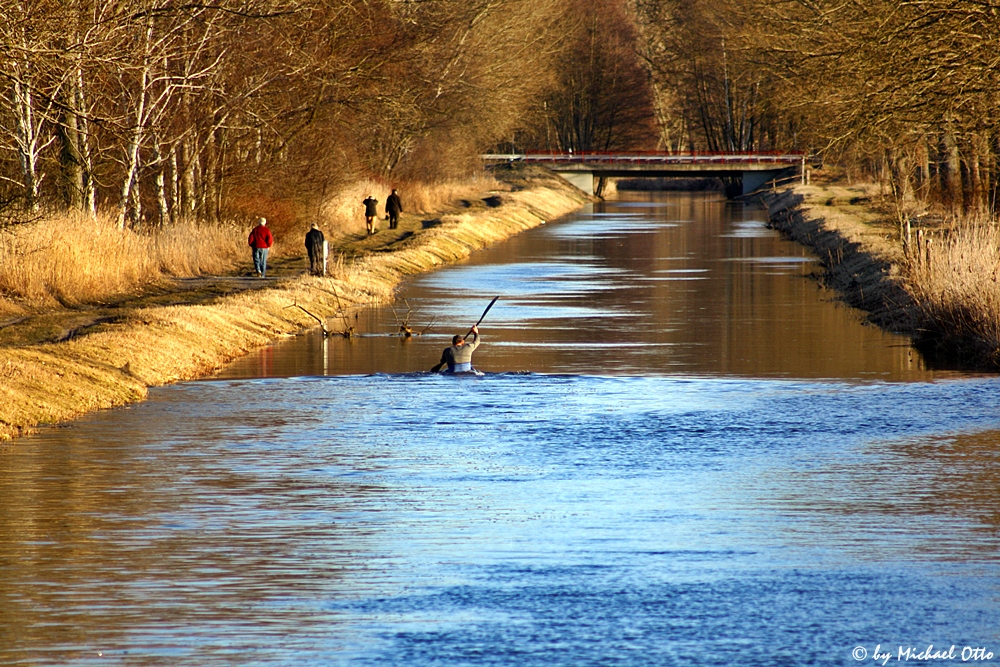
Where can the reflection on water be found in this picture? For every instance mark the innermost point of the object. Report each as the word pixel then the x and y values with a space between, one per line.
pixel 934 497
pixel 706 507
pixel 686 284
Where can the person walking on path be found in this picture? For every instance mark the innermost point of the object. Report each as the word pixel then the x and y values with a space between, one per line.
pixel 314 246
pixel 370 213
pixel 458 357
pixel 393 207
pixel 260 240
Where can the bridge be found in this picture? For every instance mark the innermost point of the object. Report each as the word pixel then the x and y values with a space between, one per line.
pixel 742 173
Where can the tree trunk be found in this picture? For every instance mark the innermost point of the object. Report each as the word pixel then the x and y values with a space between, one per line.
pixel 950 170
pixel 189 194
pixel 175 185
pixel 220 173
pixel 922 170
pixel 994 187
pixel 89 203
pixel 970 178
pixel 131 168
pixel 70 158
pixel 901 186
pixel 980 169
pixel 130 180
pixel 160 183
pixel 209 181
pixel 27 134
pixel 138 216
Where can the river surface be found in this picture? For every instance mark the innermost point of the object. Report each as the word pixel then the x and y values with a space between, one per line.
pixel 683 451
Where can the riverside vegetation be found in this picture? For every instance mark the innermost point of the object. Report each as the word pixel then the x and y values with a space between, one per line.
pixel 933 277
pixel 138 139
pixel 74 259
pixel 122 334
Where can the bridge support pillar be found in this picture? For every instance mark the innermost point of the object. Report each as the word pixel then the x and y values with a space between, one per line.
pixel 752 180
pixel 602 184
pixel 584 180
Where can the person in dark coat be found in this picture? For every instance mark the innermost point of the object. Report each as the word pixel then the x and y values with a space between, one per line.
pixel 314 246
pixel 260 241
pixel 370 213
pixel 393 207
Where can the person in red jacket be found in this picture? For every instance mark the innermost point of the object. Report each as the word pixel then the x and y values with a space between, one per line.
pixel 260 240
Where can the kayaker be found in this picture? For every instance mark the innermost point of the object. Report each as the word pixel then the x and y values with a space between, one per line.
pixel 458 357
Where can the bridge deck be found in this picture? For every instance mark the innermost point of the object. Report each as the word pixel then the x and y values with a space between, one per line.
pixel 751 169
pixel 656 162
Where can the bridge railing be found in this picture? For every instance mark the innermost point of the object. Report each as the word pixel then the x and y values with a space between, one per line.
pixel 652 157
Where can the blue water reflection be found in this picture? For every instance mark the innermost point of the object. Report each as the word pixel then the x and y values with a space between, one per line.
pixel 528 519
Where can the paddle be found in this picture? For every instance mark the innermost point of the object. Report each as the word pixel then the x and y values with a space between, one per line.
pixel 484 315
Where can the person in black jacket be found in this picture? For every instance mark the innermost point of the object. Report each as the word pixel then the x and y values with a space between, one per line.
pixel 370 212
pixel 393 207
pixel 314 246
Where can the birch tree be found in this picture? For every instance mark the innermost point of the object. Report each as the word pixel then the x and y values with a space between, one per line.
pixel 28 108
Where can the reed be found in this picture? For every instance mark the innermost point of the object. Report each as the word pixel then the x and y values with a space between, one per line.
pixel 72 260
pixel 953 278
pixel 76 260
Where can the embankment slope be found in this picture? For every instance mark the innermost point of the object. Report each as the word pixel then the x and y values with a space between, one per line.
pixel 850 239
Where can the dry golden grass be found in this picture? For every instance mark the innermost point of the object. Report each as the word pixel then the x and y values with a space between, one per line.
pixel 72 260
pixel 460 235
pixel 76 260
pixel 950 272
pixel 953 277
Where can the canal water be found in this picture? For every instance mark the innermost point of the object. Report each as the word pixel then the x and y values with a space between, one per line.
pixel 682 451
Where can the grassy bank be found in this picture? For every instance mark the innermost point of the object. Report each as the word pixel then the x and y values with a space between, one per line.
pixel 936 282
pixel 75 260
pixel 142 343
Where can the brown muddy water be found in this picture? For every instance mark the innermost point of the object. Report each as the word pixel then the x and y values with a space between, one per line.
pixel 683 451
pixel 683 284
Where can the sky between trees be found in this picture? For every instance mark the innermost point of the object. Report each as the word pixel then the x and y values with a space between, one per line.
pixel 155 110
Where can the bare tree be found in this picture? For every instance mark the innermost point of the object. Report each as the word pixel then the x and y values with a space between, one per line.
pixel 602 99
pixel 28 105
pixel 163 110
